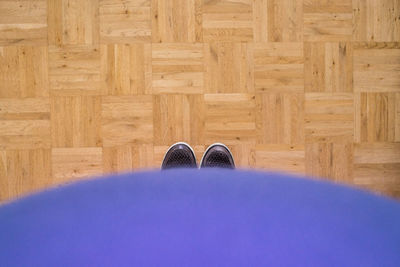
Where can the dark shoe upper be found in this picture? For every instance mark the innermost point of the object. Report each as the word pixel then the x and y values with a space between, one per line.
pixel 217 156
pixel 179 155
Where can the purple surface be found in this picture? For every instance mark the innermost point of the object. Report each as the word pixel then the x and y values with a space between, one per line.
pixel 201 218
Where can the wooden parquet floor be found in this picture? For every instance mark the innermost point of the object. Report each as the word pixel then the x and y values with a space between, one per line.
pixel 98 86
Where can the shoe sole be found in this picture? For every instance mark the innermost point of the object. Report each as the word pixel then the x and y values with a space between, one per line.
pixel 181 143
pixel 211 146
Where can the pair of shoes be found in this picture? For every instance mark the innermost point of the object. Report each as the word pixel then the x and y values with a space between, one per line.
pixel 181 155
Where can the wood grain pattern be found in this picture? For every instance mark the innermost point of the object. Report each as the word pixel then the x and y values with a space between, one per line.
pixel 24 71
pixel 23 22
pixel 226 20
pixel 376 117
pixel 73 22
pixel 279 67
pixel 89 87
pixel 126 120
pixel 376 20
pixel 328 67
pixel 178 118
pixel 125 21
pixel 377 167
pixel 331 160
pixel 24 123
pixel 176 21
pixel 280 118
pixel 74 70
pixel 280 157
pixel 228 68
pixel 177 68
pixel 69 164
pixel 126 69
pixel 24 171
pixel 329 117
pixel 328 21
pixel 127 158
pixel 230 118
pixel 76 121
pixel 376 70
pixel 285 20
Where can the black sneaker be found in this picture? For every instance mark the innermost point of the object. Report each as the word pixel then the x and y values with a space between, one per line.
pixel 179 155
pixel 217 156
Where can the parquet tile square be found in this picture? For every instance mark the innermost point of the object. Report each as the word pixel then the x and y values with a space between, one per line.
pixel 230 118
pixel 278 20
pixel 126 69
pixel 376 117
pixel 125 21
pixel 74 70
pixel 377 167
pixel 279 68
pixel 24 123
pixel 73 22
pixel 330 160
pixel 328 21
pixel 176 21
pixel 228 68
pixel 178 118
pixel 177 68
pixel 377 67
pixel 23 71
pixel 329 117
pixel 280 118
pixel 23 22
pixel 127 120
pixel 23 171
pixel 128 158
pixel 76 121
pixel 74 163
pixel 376 20
pixel 227 20
pixel 328 67
pixel 280 157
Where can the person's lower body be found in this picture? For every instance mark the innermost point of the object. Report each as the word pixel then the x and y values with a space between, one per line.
pixel 181 155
